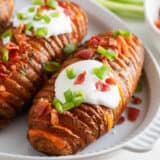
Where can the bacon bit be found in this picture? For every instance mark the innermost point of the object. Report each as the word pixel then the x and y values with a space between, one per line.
pixel 136 100
pixel 3 75
pixel 110 81
pixel 133 113
pixel 157 23
pixel 102 59
pixel 81 78
pixel 67 12
pixel 100 86
pixel 85 53
pixel 13 55
pixel 121 120
pixel 62 4
pixel 54 117
pixel 2 88
pixel 96 41
pixel 112 43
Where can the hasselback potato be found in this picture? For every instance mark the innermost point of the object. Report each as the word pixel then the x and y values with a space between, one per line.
pixel 55 132
pixel 22 59
pixel 6 9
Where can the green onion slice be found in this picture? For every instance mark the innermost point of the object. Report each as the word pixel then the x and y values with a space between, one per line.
pixel 38 16
pixel 68 95
pixel 37 2
pixel 124 33
pixel 31 9
pixel 21 16
pixel 78 98
pixel 7 35
pixel 5 57
pixel 42 32
pixel 51 66
pixel 68 105
pixel 101 72
pixel 46 19
pixel 29 27
pixel 69 49
pixel 52 4
pixel 70 73
pixel 55 14
pixel 58 106
pixel 108 53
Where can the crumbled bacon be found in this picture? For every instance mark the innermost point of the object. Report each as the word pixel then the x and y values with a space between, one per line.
pixel 102 59
pixel 100 86
pixel 121 120
pixel 136 100
pixel 112 43
pixel 85 53
pixel 133 113
pixel 13 55
pixel 80 78
pixel 110 81
pixel 97 41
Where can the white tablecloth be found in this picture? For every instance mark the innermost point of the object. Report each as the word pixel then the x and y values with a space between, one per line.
pixel 141 30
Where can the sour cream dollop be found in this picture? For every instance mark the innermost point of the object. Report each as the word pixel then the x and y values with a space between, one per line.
pixel 109 98
pixel 58 25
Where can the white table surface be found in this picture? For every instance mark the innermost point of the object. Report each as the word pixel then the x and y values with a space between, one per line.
pixel 142 31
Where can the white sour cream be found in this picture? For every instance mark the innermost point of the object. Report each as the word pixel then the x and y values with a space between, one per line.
pixel 110 98
pixel 58 25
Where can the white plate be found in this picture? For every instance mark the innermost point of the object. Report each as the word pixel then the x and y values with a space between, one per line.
pixel 138 136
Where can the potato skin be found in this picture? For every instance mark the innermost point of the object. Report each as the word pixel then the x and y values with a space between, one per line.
pixel 23 74
pixel 87 122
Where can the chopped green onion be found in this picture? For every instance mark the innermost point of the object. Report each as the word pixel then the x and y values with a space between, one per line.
pixel 52 4
pixel 38 16
pixel 139 87
pixel 69 49
pixel 46 19
pixel 78 98
pixel 55 14
pixel 51 66
pixel 108 53
pixel 70 73
pixel 124 33
pixel 5 57
pixel 42 32
pixel 58 106
pixel 6 36
pixel 68 95
pixel 101 72
pixel 22 16
pixel 29 27
pixel 31 9
pixel 37 2
pixel 68 105
pixel 72 100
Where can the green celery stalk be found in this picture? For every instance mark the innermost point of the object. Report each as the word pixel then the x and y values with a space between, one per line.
pixel 136 2
pixel 121 7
